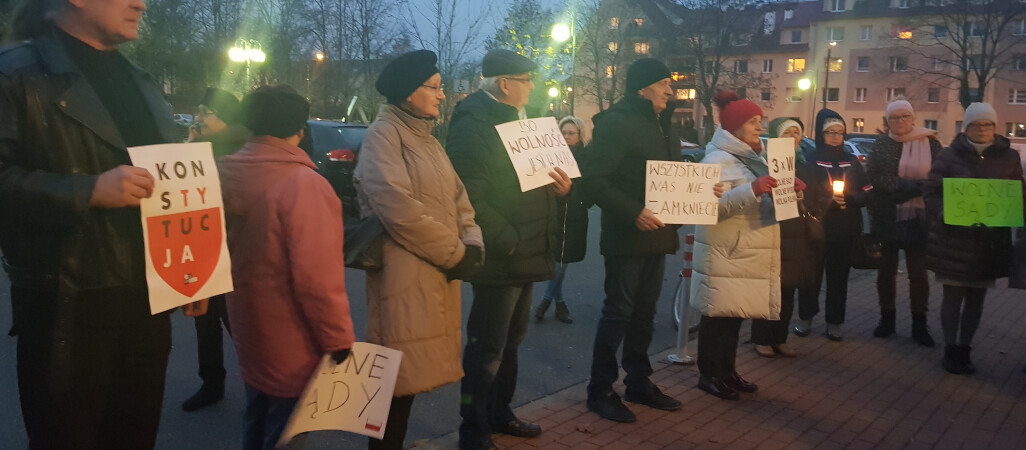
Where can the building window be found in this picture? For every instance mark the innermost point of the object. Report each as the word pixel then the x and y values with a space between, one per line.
pixel 792 95
pixel 958 125
pixel 1015 129
pixel 740 66
pixel 614 23
pixel 835 34
pixel 766 95
pixel 893 93
pixel 639 21
pixel 858 125
pixel 685 94
pixel 609 71
pixel 933 96
pixel 866 33
pixel 930 124
pixel 863 64
pixel 832 94
pixel 614 46
pixel 767 66
pixel 1020 63
pixel 899 64
pixel 860 95
pixel 641 48
pixel 835 65
pixel 976 29
pixel 903 3
pixel 796 36
pixel 1017 96
pixel 972 62
pixel 1019 27
pixel 903 32
pixel 837 5
pixel 940 31
pixel 937 65
pixel 795 65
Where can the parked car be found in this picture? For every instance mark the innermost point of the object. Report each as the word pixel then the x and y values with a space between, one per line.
pixel 335 148
pixel 184 120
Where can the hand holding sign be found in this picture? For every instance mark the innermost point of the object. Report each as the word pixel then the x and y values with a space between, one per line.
pixel 562 183
pixel 782 182
pixel 122 186
pixel 972 201
pixel 537 148
pixel 680 193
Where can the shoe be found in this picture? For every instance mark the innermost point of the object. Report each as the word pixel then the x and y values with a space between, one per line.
pixel 518 428
pixel 785 350
pixel 967 364
pixel 803 327
pixel 652 398
pixel 952 361
pixel 717 388
pixel 207 395
pixel 739 384
pixel 833 332
pixel 765 351
pixel 539 311
pixel 608 406
pixel 921 331
pixel 562 313
pixel 886 326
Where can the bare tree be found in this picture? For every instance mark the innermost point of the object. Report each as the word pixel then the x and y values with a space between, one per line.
pixel 602 54
pixel 967 43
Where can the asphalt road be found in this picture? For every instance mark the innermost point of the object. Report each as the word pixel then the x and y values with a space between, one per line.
pixel 553 357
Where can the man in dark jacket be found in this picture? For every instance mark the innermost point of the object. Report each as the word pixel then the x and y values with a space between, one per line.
pixel 70 228
pixel 634 241
pixel 519 235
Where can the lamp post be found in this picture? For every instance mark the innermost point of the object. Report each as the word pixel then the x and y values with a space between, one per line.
pixel 826 80
pixel 247 51
pixel 804 84
pixel 561 33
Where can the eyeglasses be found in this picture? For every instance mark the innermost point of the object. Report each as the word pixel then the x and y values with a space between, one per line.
pixel 904 118
pixel 983 125
pixel 522 80
pixel 438 89
pixel 833 133
pixel 569 133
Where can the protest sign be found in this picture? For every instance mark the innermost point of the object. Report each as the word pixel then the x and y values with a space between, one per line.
pixel 536 147
pixel 781 159
pixel 994 203
pixel 183 225
pixel 352 396
pixel 682 193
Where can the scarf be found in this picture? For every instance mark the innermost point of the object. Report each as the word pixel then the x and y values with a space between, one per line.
pixel 724 140
pixel 916 161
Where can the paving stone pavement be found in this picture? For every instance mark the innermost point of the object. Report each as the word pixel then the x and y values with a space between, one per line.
pixel 864 392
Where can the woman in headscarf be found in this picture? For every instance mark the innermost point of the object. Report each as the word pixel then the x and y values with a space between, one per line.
pixel 405 179
pixel 897 170
pixel 967 259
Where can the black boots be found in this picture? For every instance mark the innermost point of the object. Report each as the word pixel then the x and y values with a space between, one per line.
pixel 957 360
pixel 562 312
pixel 967 363
pixel 539 311
pixel 921 331
pixel 886 326
pixel 207 395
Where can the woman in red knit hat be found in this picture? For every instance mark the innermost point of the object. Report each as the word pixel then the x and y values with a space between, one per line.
pixel 737 261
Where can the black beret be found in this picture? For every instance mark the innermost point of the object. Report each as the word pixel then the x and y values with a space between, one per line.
pixel 277 111
pixel 500 62
pixel 223 103
pixel 645 72
pixel 405 74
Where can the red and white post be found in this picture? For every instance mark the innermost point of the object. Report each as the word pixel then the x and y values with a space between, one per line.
pixel 681 300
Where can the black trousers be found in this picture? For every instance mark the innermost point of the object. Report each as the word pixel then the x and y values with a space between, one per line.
pixel 717 345
pixel 774 332
pixel 210 341
pixel 632 289
pixel 395 429
pixel 113 398
pixel 918 281
pixel 836 267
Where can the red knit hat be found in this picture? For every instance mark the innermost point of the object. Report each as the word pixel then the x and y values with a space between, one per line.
pixel 734 111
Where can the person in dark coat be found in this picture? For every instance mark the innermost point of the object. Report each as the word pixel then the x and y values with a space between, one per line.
pixel 967 259
pixel 634 241
pixel 519 230
pixel 571 227
pixel 91 358
pixel 899 165
pixel 840 211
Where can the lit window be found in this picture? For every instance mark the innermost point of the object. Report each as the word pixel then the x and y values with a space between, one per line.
pixel 1017 96
pixel 835 34
pixel 860 95
pixel 858 125
pixel 893 93
pixel 832 94
pixel 1015 129
pixel 795 65
pixel 899 64
pixel 641 48
pixel 903 32
pixel 930 124
pixel 614 23
pixel 609 71
pixel 685 94
pixel 866 33
pixel 933 96
pixel 792 95
pixel 639 21
pixel 863 64
pixel 613 47
pixel 835 65
pixel 767 66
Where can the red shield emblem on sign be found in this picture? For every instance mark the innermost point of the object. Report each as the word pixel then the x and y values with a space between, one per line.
pixel 185 248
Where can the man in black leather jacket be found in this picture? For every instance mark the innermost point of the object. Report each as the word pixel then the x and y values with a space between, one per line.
pixel 91 357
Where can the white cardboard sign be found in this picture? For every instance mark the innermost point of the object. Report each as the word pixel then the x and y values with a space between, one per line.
pixel 535 147
pixel 780 155
pixel 353 396
pixel 682 193
pixel 183 225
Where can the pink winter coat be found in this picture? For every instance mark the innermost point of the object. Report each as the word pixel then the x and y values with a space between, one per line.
pixel 285 237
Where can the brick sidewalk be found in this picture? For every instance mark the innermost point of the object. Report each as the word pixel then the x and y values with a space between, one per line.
pixel 864 392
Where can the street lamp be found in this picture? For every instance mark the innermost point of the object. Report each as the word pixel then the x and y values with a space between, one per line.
pixel 319 56
pixel 561 32
pixel 804 84
pixel 247 51
pixel 553 92
pixel 826 80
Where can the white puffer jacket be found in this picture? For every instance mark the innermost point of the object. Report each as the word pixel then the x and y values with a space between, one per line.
pixel 737 261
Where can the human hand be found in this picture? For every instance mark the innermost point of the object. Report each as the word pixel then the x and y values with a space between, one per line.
pixel 340 355
pixel 799 185
pixel 839 199
pixel 763 185
pixel 647 221
pixel 196 309
pixel 122 186
pixel 473 256
pixel 718 190
pixel 563 182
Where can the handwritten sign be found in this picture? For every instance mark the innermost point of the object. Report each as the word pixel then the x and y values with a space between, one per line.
pixel 536 147
pixel 994 203
pixel 682 193
pixel 183 225
pixel 780 155
pixel 353 396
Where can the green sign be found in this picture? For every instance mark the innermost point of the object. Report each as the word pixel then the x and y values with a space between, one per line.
pixel 994 203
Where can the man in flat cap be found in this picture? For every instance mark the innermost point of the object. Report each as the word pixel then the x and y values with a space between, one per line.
pixel 519 235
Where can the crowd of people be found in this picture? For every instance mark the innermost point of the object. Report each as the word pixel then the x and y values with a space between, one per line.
pixel 72 240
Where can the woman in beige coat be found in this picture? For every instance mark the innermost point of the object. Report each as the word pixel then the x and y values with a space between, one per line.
pixel 405 179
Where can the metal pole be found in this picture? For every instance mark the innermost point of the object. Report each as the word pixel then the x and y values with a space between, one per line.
pixel 680 355
pixel 826 80
pixel 573 58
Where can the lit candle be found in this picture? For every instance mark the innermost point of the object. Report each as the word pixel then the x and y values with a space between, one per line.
pixel 839 187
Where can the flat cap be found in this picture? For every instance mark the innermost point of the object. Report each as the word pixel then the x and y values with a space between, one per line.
pixel 501 62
